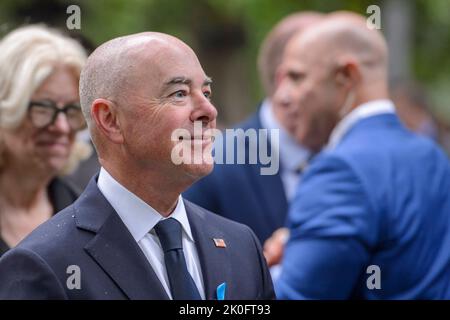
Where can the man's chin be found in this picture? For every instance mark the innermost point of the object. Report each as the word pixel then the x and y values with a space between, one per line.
pixel 303 139
pixel 316 144
pixel 198 171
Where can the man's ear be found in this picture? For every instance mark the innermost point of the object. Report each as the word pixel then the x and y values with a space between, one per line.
pixel 104 113
pixel 348 73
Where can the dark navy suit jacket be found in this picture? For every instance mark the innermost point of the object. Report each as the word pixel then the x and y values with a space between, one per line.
pixel 381 198
pixel 90 235
pixel 239 192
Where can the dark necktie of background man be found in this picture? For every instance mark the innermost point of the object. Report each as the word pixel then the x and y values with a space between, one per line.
pixel 182 286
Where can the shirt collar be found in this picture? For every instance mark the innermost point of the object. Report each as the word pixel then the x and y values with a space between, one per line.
pixel 139 217
pixel 292 154
pixel 365 110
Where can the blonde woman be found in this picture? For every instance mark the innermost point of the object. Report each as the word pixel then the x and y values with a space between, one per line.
pixel 39 118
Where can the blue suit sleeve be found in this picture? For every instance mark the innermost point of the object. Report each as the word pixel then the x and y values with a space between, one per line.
pixel 24 275
pixel 333 227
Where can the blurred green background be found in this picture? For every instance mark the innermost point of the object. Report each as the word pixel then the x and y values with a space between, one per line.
pixel 226 35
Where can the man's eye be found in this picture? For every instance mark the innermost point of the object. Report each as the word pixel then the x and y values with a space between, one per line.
pixel 295 76
pixel 207 94
pixel 180 94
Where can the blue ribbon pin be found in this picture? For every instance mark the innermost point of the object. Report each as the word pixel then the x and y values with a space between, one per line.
pixel 220 291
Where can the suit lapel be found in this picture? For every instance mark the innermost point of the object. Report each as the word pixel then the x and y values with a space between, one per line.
pixel 114 248
pixel 214 260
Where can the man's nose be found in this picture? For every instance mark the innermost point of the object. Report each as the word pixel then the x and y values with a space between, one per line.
pixel 61 124
pixel 283 95
pixel 203 110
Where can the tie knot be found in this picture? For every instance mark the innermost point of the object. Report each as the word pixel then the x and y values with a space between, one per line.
pixel 169 234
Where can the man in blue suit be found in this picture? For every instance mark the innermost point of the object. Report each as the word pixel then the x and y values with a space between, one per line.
pixel 131 235
pixel 371 218
pixel 239 191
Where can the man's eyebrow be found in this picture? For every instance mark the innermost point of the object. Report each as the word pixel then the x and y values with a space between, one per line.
pixel 208 81
pixel 183 80
pixel 178 80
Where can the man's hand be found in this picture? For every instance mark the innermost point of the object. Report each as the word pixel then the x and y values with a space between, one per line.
pixel 274 246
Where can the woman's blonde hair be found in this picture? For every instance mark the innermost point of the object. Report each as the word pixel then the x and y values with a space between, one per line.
pixel 28 55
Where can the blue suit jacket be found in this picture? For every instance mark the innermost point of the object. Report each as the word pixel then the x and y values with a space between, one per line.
pixel 239 192
pixel 90 235
pixel 381 197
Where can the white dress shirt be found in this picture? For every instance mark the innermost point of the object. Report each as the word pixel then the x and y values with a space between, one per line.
pixel 365 110
pixel 292 154
pixel 140 218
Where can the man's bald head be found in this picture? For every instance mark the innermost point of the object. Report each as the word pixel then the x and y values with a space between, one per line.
pixel 116 66
pixel 271 51
pixel 341 37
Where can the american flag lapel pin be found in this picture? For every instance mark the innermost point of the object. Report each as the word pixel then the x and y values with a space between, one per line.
pixel 219 243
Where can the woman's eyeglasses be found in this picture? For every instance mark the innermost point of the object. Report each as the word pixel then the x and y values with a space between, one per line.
pixel 44 113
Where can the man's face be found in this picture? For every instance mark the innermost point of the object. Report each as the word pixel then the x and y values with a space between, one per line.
pixel 286 113
pixel 306 86
pixel 171 92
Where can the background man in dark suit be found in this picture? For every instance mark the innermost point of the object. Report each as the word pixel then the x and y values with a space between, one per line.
pixel 239 191
pixel 371 216
pixel 130 234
